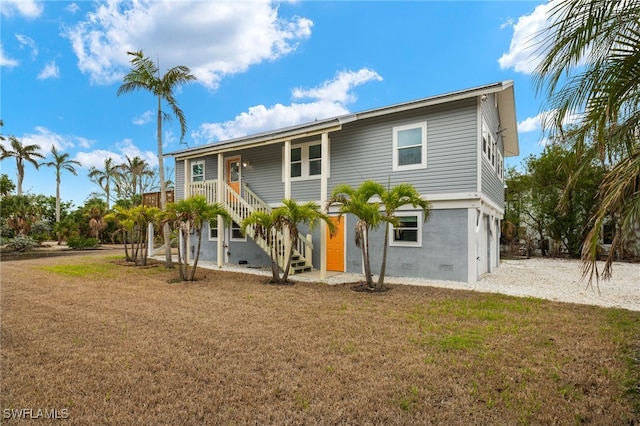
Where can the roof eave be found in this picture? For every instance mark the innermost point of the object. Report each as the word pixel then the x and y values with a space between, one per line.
pixel 508 121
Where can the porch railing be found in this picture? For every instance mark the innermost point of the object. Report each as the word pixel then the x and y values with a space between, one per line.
pixel 240 206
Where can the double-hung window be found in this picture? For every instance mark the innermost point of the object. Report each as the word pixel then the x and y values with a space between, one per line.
pixel 410 147
pixel 197 171
pixel 306 161
pixel 408 232
pixel 236 234
pixel 213 230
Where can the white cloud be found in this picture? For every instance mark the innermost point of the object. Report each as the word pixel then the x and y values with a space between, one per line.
pixel 73 8
pixel 124 148
pixel 96 158
pixel 525 51
pixel 143 118
pixel 50 70
pixel 28 42
pixel 213 39
pixel 329 100
pixel 84 142
pixel 46 138
pixel 128 149
pixel 531 124
pixel 338 89
pixel 5 61
pixel 27 8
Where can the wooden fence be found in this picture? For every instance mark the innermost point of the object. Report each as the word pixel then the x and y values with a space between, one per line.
pixel 152 199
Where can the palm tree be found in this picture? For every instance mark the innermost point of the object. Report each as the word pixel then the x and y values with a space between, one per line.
pixel 265 225
pixel 291 214
pixel 145 75
pixel 361 204
pixel 22 153
pixel 61 162
pixel 132 180
pixel 591 67
pixel 285 219
pixel 189 215
pixel 104 177
pixel 392 199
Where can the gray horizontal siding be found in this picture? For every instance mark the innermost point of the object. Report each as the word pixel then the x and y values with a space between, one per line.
pixel 491 185
pixel 363 150
pixel 180 177
pixel 264 176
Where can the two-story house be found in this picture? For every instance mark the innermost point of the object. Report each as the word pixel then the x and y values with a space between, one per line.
pixel 450 147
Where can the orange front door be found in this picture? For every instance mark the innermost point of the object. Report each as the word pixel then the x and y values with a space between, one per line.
pixel 233 174
pixel 335 246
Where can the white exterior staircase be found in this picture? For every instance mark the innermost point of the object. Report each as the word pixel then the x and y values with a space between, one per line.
pixel 240 206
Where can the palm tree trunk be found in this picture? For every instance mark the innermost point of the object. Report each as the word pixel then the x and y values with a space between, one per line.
pixel 182 249
pixel 58 198
pixel 285 274
pixel 367 261
pixel 383 267
pixel 163 190
pixel 275 274
pixel 20 178
pixel 126 245
pixel 196 256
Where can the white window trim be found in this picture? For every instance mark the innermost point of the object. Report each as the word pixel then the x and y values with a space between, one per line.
pixel 423 163
pixel 209 233
pixel 194 163
pixel 231 238
pixel 305 161
pixel 419 217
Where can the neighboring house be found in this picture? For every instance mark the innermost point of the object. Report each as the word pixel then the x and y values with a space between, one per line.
pixel 450 147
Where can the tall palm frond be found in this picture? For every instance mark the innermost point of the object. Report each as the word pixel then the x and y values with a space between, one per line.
pixel 61 162
pixel 22 153
pixel 591 69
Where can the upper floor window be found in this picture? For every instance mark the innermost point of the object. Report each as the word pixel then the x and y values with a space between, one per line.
pixel 408 233
pixel 410 147
pixel 197 171
pixel 306 161
pixel 490 150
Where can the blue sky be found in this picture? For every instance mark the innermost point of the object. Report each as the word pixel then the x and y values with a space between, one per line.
pixel 260 65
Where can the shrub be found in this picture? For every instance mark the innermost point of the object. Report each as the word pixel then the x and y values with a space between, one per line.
pixel 5 230
pixel 80 242
pixel 22 243
pixel 41 230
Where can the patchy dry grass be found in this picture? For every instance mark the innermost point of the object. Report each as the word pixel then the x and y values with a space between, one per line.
pixel 115 344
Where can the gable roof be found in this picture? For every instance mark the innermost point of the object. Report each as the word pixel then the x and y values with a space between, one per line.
pixel 506 109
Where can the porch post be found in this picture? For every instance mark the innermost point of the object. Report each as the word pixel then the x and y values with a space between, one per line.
pixel 187 193
pixel 220 199
pixel 187 177
pixel 287 169
pixel 324 181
